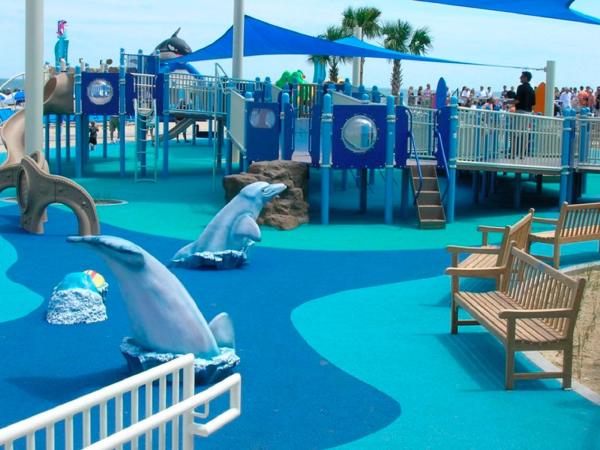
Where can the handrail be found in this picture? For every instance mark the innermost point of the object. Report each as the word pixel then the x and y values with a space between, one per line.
pixel 231 384
pixel 441 149
pixel 88 401
pixel 11 79
pixel 413 146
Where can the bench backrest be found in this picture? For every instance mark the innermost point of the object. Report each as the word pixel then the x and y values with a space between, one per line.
pixel 516 234
pixel 579 222
pixel 535 285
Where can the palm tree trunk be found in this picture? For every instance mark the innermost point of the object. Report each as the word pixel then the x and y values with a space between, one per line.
pixel 362 67
pixel 396 78
pixel 333 72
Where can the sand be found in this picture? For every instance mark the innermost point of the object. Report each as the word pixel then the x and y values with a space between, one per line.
pixel 586 343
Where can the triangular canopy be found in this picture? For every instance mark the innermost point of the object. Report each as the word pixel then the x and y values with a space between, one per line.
pixel 552 9
pixel 262 38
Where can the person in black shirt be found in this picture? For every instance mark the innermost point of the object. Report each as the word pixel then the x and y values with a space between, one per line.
pixel 525 98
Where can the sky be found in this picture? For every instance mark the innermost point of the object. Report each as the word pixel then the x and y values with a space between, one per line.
pixel 97 33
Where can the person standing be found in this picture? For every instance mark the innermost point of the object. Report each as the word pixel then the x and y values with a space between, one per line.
pixel 564 100
pixel 93 140
pixel 525 97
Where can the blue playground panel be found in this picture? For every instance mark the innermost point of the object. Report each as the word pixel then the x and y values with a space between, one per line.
pixel 342 156
pixel 262 132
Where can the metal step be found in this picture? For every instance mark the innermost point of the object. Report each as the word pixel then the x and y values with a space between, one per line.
pixel 429 202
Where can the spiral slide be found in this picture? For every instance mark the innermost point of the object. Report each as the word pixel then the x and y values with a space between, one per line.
pixel 58 99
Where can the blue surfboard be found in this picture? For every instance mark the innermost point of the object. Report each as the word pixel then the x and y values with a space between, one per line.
pixel 441 93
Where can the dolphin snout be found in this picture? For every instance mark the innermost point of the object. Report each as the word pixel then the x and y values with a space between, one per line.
pixel 274 190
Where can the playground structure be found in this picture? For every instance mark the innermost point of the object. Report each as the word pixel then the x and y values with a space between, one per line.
pixel 253 120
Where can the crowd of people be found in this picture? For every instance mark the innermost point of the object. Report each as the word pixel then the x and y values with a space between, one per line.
pixel 521 99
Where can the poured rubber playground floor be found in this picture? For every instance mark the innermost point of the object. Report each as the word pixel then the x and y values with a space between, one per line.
pixel 342 331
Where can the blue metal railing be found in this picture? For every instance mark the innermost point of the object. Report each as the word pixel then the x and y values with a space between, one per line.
pixel 440 148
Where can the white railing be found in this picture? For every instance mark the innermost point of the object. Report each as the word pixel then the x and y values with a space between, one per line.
pixel 144 86
pixel 502 139
pixel 588 149
pixel 423 126
pixel 194 93
pixel 128 412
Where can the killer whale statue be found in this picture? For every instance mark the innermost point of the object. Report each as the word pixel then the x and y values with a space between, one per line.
pixel 225 240
pixel 173 47
pixel 164 318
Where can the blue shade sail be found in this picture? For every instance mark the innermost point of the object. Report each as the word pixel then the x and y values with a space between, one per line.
pixel 262 38
pixel 551 9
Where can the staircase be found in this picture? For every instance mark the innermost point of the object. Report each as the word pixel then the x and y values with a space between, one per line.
pixel 427 194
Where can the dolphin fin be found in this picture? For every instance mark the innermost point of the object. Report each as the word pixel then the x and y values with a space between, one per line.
pixel 222 329
pixel 246 226
pixel 176 32
pixel 118 248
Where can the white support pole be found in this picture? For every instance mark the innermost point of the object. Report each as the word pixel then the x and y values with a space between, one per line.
pixel 238 39
pixel 356 81
pixel 34 75
pixel 550 85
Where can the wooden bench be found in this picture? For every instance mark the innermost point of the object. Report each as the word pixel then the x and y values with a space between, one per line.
pixel 535 308
pixel 576 223
pixel 489 256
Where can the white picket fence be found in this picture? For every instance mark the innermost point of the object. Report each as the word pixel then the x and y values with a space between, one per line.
pixel 125 415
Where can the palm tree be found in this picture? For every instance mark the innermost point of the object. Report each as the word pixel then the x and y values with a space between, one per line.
pixel 402 37
pixel 367 18
pixel 333 33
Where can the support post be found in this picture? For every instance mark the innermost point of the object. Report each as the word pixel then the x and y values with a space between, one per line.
pixel 518 188
pixel 34 74
pixel 57 144
pixel 389 160
pixel 550 85
pixel 78 125
pixel 404 190
pixel 122 112
pixel 565 155
pixel 166 119
pixel 356 81
pixel 47 137
pixel 285 101
pixel 244 161
pixel 326 133
pixel 238 39
pixel 452 154
pixel 104 137
pixel 229 149
pixel 68 136
pixel 584 146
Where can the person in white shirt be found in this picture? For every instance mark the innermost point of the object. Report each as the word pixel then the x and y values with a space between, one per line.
pixel 488 92
pixel 564 99
pixel 481 93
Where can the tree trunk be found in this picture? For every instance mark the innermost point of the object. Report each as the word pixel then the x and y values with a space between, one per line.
pixel 333 72
pixel 396 78
pixel 362 67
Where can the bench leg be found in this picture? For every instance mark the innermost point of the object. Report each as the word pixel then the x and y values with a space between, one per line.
pixel 567 367
pixel 556 256
pixel 454 317
pixel 510 368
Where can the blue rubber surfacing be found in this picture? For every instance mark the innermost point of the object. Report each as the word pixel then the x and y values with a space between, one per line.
pixel 347 378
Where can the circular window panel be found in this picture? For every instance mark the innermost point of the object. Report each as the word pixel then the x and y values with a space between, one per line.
pixel 359 134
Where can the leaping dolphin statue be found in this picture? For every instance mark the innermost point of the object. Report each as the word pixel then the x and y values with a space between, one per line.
pixel 164 317
pixel 234 228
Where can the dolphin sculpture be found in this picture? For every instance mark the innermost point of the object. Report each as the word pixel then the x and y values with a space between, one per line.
pixel 232 230
pixel 164 317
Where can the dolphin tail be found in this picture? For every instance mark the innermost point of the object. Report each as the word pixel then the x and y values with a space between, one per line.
pixel 222 330
pixel 118 248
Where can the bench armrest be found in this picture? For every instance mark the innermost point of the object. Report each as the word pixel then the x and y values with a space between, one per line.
pixel 480 272
pixel 485 230
pixel 534 313
pixel 480 250
pixel 544 220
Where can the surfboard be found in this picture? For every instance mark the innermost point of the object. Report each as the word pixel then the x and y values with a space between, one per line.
pixel 540 98
pixel 441 93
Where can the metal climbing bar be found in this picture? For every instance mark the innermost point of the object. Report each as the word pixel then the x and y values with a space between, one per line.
pixel 495 139
pixel 146 160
